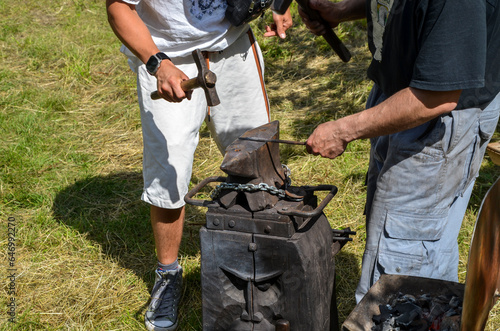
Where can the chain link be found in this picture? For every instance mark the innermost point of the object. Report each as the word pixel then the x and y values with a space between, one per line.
pixel 256 187
pixel 247 188
pixel 288 174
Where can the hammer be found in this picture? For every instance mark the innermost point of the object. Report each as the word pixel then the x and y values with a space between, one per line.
pixel 206 80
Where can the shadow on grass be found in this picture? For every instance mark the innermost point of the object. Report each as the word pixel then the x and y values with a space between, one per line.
pixel 323 93
pixel 347 277
pixel 108 210
pixel 488 174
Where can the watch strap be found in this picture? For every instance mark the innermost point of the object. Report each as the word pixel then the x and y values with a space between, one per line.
pixel 162 56
pixel 154 62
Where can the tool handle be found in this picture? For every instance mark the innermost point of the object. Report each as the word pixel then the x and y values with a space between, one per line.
pixel 190 84
pixel 187 85
pixel 330 36
pixel 337 45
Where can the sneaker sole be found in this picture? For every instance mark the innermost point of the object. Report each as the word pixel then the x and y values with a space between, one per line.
pixel 151 327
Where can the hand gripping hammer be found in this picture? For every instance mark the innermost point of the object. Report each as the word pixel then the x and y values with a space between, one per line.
pixel 206 80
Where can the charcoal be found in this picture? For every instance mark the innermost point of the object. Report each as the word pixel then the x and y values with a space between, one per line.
pixel 385 309
pixel 451 323
pixel 407 307
pixel 455 302
pixel 451 312
pixel 420 313
pixel 443 298
pixel 399 298
pixel 388 325
pixel 409 316
pixel 424 301
pixel 438 308
pixel 410 298
pixel 385 314
pixel 418 325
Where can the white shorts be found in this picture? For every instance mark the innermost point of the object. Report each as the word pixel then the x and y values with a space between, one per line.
pixel 171 130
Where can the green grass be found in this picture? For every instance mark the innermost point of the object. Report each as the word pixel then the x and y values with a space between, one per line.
pixel 70 165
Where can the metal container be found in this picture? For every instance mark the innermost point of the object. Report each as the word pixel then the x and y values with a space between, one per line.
pixel 360 319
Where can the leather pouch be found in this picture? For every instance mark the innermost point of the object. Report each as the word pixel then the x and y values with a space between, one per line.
pixel 239 12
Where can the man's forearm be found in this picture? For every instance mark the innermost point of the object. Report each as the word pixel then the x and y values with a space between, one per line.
pixel 130 29
pixel 352 10
pixel 406 109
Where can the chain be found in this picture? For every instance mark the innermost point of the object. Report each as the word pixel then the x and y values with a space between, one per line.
pixel 255 187
pixel 247 188
pixel 288 173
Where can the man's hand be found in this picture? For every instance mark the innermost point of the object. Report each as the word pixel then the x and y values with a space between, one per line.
pixel 404 110
pixel 327 140
pixel 169 79
pixel 281 24
pixel 329 11
pixel 132 31
pixel 333 13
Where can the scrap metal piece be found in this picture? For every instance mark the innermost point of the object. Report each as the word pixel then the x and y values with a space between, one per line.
pixel 279 141
pixel 482 285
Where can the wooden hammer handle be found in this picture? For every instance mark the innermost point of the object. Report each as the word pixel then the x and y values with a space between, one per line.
pixel 187 85
pixel 330 36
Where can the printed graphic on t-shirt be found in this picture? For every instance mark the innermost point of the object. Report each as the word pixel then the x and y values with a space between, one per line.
pixel 200 8
pixel 380 10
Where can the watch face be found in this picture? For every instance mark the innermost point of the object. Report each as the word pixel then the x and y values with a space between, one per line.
pixel 152 65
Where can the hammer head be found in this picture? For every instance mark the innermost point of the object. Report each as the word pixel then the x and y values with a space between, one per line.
pixel 206 79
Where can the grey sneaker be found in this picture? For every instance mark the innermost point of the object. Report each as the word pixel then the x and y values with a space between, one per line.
pixel 162 311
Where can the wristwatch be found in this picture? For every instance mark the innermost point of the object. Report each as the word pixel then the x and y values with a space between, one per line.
pixel 154 62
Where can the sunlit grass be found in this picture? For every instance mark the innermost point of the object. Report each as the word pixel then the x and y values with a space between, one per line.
pixel 71 153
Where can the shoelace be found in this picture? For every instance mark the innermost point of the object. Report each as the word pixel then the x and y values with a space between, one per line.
pixel 167 297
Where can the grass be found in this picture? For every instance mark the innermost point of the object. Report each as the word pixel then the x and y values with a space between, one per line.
pixel 70 165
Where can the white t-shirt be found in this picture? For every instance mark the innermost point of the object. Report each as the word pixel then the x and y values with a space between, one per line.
pixel 180 26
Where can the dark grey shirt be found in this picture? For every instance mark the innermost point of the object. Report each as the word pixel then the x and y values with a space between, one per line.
pixel 438 45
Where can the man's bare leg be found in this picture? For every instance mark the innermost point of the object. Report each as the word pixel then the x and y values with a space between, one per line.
pixel 167 229
pixel 162 310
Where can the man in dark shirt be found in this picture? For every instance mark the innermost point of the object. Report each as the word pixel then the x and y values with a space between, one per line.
pixel 433 108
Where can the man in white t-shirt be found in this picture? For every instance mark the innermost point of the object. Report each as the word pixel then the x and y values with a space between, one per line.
pixel 158 38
